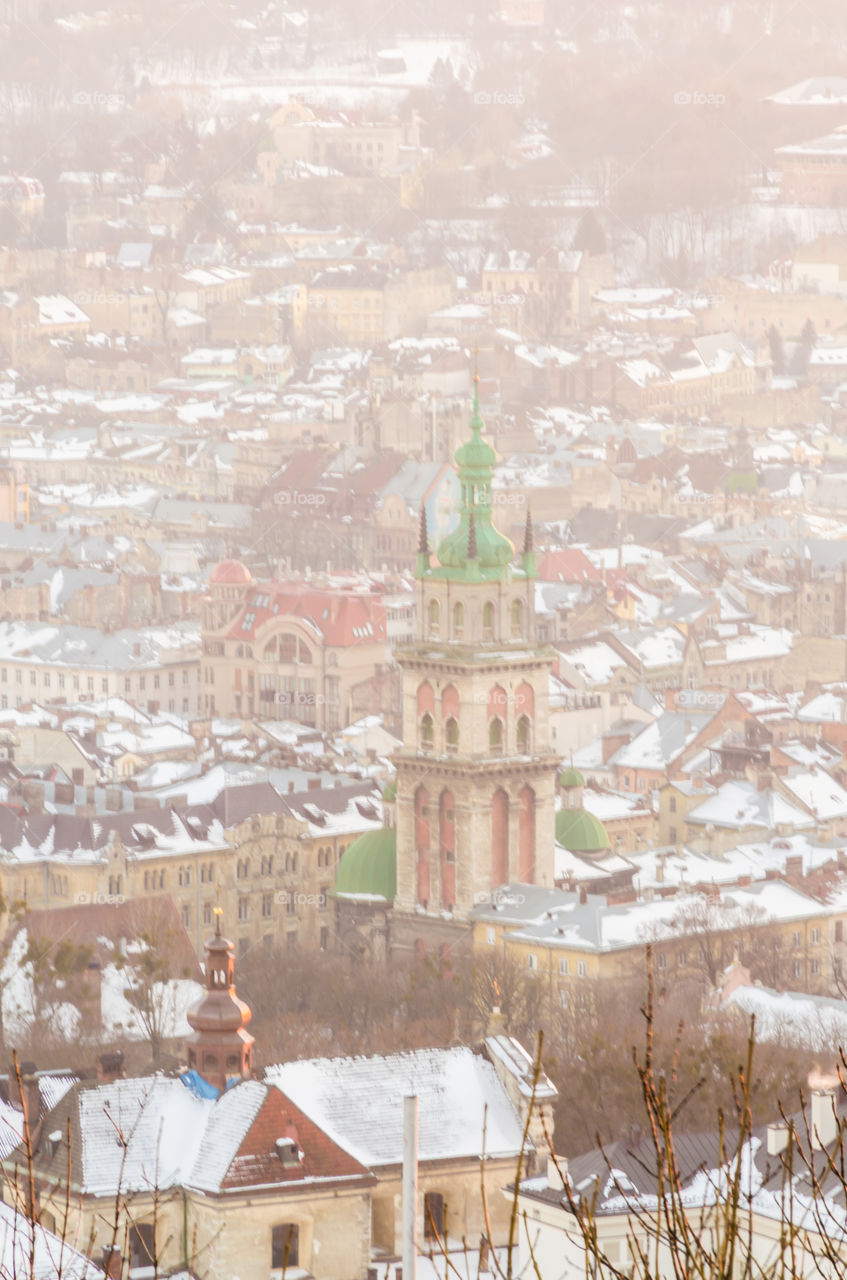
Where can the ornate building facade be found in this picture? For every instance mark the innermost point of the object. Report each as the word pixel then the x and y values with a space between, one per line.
pixel 476 778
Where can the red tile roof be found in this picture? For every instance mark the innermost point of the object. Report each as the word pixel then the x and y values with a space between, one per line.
pixel 256 1162
pixel 343 615
pixel 567 565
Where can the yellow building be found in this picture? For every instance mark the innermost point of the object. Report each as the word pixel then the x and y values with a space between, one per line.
pixel 268 860
pixel 14 498
pixel 564 938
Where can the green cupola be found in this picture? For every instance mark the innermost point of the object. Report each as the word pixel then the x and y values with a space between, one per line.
pixel 368 870
pixel 475 549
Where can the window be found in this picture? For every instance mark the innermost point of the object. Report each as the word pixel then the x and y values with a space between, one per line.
pixel 495 735
pixel 563 965
pixel 285 1246
pixel 581 968
pixel 523 735
pixel 207 913
pixel 839 931
pixel 142 1245
pixel 816 967
pixel 186 917
pixel 672 804
pixel 491 936
pixel 797 938
pixel 433 1216
pixel 434 617
pixel 458 621
pixel 517 617
pixel 243 908
pixel 451 734
pixel 798 969
pixel 488 621
pixel 816 937
pixel 267 905
pixel 426 732
pixel 532 960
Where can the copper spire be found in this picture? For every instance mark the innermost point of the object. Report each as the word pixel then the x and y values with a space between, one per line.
pixel 423 534
pixel 527 537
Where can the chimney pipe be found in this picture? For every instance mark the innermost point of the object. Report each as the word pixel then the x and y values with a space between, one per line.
pixel 410 1187
pixel 823 1116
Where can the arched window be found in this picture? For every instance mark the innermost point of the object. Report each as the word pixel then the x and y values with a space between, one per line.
pixel 433 614
pixel 427 734
pixel 495 735
pixel 458 621
pixel 488 621
pixel 517 617
pixel 523 735
pixel 451 734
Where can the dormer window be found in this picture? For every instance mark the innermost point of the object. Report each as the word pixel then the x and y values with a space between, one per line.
pixel 289 1151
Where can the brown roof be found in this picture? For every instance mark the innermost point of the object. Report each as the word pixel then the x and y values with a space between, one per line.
pixel 87 924
pixel 256 1162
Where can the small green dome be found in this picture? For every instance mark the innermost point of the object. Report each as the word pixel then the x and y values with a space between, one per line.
pixel 580 832
pixel 390 791
pixel 571 777
pixel 369 867
pixel 475 454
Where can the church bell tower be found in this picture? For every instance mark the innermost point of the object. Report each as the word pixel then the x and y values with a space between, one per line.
pixel 475 774
pixel 219 1047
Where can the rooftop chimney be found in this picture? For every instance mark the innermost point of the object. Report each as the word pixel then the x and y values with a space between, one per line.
pixel 823 1116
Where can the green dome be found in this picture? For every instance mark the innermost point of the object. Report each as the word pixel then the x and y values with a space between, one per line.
pixel 571 778
pixel 475 454
pixel 390 791
pixel 494 551
pixel 580 832
pixel 369 867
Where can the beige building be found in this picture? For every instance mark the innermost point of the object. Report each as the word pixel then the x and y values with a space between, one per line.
pixel 216 1171
pixel 288 650
pixel 146 666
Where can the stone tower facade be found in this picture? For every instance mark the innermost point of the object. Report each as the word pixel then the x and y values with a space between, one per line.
pixel 475 775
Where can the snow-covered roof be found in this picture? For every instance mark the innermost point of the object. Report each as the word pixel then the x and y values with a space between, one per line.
pixel 359 1102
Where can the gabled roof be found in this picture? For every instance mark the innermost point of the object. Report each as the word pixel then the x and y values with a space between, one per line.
pixel 154 1131
pixel 359 1102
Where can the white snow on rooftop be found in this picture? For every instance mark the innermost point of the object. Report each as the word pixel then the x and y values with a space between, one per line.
pixel 359 1102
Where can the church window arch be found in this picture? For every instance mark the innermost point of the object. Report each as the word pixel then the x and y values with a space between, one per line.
pixel 488 620
pixel 427 734
pixel 495 735
pixel 524 735
pixel 433 617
